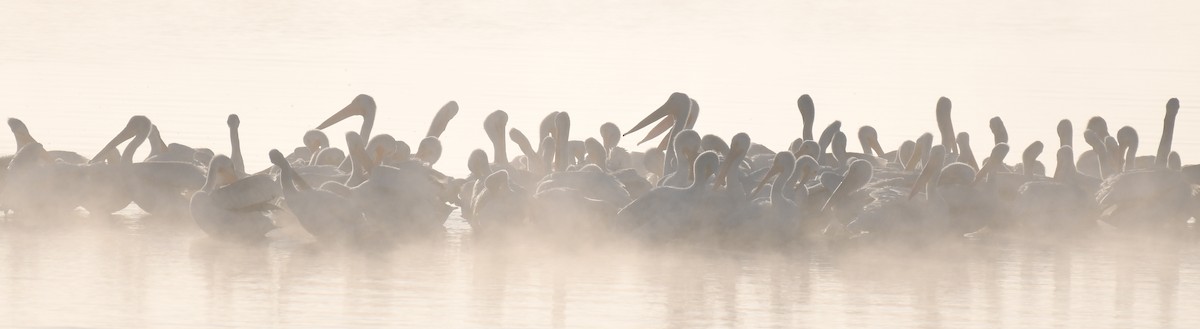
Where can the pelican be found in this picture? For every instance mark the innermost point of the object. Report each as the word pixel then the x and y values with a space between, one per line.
pixel 328 216
pixel 157 187
pixel 21 132
pixel 229 208
pixel 160 151
pixel 499 205
pixel 668 212
pixel 1148 199
pixel 400 200
pixel 1059 206
pixel 314 141
pixel 776 216
pixel 38 184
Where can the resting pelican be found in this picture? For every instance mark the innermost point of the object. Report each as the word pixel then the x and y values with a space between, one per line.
pixel 21 132
pixel 157 187
pixel 314 140
pixel 400 200
pixel 328 216
pixel 229 208
pixel 499 205
pixel 670 212
pixel 38 184
pixel 160 151
pixel 1058 206
pixel 776 216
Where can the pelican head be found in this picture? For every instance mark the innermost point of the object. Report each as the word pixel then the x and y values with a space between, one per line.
pixel 687 145
pixel 494 126
pixel 233 121
pixel 783 164
pixel 998 131
pixel 737 151
pixel 714 143
pixel 857 175
pixel 964 150
pixel 994 161
pixel 1127 141
pixel 610 134
pixel 1065 131
pixel 381 147
pixel 924 143
pixel 1029 157
pixel 362 105
pixel 137 129
pixel 477 163
pixel 329 157
pixel 1066 163
pixel 1098 125
pixel 442 119
pixel 403 151
pixel 827 135
pixel 20 132
pixel 946 125
pixel 807 112
pixel 562 138
pixel 706 166
pixel 676 108
pixel 430 150
pixel 869 138
pixel 932 168
pixel 596 154
pixel 957 173
pixel 220 172
pixel 315 140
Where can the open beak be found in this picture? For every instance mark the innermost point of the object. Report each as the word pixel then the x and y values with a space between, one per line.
pixel 662 127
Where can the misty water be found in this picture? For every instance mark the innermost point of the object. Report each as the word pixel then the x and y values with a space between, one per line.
pixel 76 71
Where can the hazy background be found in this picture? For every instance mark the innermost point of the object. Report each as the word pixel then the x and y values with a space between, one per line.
pixel 76 70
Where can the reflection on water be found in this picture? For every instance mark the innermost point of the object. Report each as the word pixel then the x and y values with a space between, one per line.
pixel 150 272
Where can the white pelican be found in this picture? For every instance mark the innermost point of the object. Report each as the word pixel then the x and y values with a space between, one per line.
pixel 499 205
pixel 1063 205
pixel 808 113
pixel 328 216
pixel 23 137
pixel 160 151
pixel 1149 199
pixel 775 217
pixel 401 200
pixel 314 140
pixel 37 184
pixel 229 208
pixel 667 212
pixel 157 187
pixel 675 114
